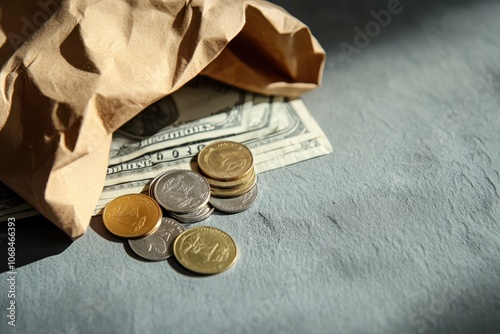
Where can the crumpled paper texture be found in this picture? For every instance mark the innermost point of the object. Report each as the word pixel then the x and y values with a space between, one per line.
pixel 75 71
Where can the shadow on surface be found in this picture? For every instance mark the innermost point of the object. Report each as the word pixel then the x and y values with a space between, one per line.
pixel 172 261
pixel 97 225
pixel 132 254
pixel 36 239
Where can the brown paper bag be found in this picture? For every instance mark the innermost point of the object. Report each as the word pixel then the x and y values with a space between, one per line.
pixel 75 71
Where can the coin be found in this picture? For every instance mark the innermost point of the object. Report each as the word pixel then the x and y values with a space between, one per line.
pixel 232 183
pixel 205 250
pixel 159 245
pixel 235 204
pixel 181 191
pixel 191 219
pixel 152 185
pixel 132 216
pixel 234 192
pixel 225 160
pixel 200 212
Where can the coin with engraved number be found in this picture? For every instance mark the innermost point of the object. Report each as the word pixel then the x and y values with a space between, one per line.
pixel 132 216
pixel 159 245
pixel 225 160
pixel 205 250
pixel 181 191
pixel 235 204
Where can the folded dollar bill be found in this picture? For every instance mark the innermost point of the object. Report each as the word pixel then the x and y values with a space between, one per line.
pixel 170 133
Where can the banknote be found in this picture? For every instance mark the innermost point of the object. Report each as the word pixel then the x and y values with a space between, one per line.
pixel 267 161
pixel 297 137
pixel 207 112
pixel 262 121
pixel 202 97
pixel 278 131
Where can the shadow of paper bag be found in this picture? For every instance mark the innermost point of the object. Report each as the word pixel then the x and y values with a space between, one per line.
pixel 75 71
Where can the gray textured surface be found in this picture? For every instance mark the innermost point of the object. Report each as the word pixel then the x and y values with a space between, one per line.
pixel 397 231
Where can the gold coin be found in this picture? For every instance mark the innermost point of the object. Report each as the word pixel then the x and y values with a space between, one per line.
pixel 132 216
pixel 234 192
pixel 225 160
pixel 232 183
pixel 205 250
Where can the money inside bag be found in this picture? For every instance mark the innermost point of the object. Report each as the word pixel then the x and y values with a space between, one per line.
pixel 75 71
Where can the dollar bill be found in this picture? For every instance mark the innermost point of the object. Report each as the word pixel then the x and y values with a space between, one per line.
pixel 266 161
pixel 297 137
pixel 279 132
pixel 202 97
pixel 262 121
pixel 202 111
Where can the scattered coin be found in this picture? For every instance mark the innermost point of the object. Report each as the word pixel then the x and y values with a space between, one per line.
pixel 225 160
pixel 235 204
pixel 205 250
pixel 181 191
pixel 132 216
pixel 227 181
pixel 159 245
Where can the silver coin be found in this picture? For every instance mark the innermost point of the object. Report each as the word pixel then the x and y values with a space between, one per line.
pixel 159 245
pixel 235 204
pixel 194 214
pixel 152 185
pixel 181 191
pixel 192 220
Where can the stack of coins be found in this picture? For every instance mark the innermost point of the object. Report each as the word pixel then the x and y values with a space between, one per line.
pixel 184 194
pixel 228 168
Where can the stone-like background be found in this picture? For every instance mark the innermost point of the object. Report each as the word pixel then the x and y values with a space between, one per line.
pixel 397 231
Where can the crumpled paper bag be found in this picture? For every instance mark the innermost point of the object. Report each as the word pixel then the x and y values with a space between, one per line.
pixel 75 71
